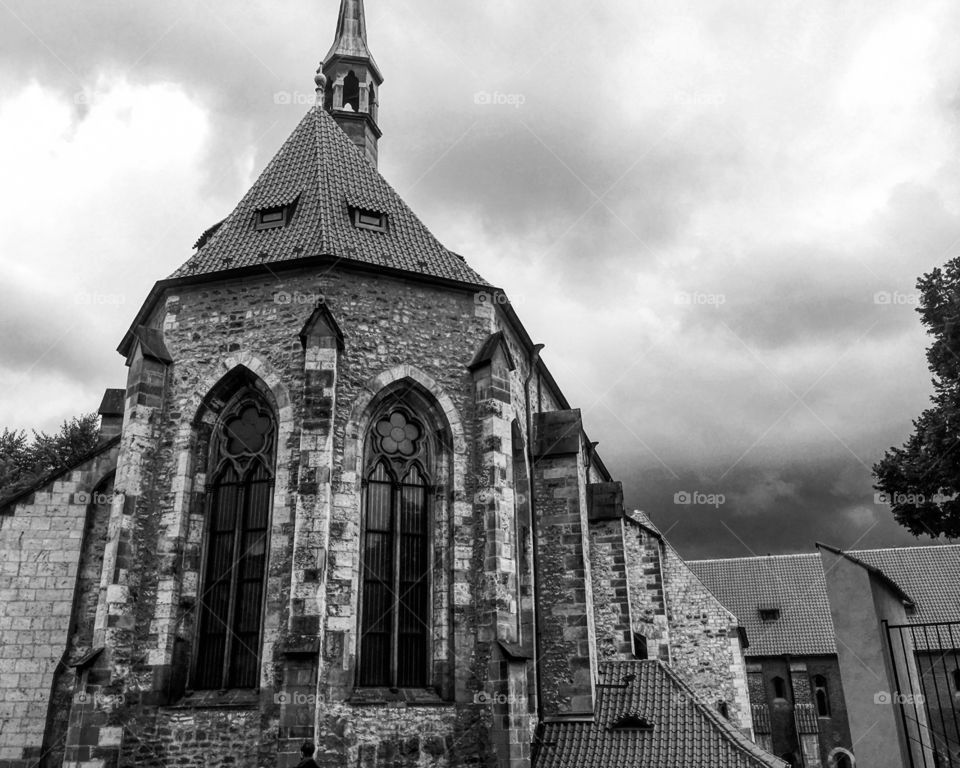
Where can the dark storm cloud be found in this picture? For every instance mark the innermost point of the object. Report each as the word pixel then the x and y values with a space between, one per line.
pixel 694 207
pixel 766 511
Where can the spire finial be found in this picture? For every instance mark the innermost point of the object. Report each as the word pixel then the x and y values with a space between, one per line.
pixel 320 80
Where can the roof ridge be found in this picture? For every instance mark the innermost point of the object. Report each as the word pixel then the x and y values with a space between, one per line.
pixel 754 558
pixel 757 558
pixel 322 180
pixel 906 548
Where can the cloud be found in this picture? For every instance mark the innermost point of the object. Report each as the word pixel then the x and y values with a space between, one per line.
pixel 787 509
pixel 97 199
pixel 694 207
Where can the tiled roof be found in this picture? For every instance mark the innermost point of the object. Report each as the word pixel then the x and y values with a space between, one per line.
pixel 795 584
pixel 761 718
pixel 684 732
pixel 321 173
pixel 930 575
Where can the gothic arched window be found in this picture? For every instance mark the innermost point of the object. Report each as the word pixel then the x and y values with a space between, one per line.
pixel 395 610
pixel 821 696
pixel 779 688
pixel 241 469
pixel 351 92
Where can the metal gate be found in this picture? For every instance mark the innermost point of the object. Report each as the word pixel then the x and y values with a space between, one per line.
pixel 926 671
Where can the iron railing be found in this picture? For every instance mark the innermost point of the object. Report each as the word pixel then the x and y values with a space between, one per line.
pixel 926 672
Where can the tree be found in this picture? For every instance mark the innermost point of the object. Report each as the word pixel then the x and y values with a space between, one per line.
pixel 14 459
pixel 921 479
pixel 23 463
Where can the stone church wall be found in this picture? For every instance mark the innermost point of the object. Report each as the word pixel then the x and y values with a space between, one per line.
pixel 137 706
pixel 704 642
pixel 41 542
pixel 648 607
pixel 390 326
pixel 608 571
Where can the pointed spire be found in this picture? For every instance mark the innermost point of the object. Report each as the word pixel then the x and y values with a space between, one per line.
pixel 351 39
pixel 348 81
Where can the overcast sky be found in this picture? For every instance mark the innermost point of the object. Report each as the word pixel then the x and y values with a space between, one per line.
pixel 712 213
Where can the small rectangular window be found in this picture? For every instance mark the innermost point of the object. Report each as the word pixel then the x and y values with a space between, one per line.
pixel 371 220
pixel 271 218
pixel 640 647
pixel 769 614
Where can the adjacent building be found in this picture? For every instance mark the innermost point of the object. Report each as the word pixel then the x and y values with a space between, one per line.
pixel 851 654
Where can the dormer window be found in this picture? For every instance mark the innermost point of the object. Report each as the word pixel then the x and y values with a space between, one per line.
pixel 632 723
pixel 769 613
pixel 271 218
pixel 372 220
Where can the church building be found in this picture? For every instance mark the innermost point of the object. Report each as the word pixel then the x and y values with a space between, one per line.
pixel 341 499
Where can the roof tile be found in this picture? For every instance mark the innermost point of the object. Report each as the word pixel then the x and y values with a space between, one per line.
pixel 321 169
pixel 929 575
pixel 685 732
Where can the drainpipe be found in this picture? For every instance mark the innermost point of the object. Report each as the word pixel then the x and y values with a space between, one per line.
pixel 533 361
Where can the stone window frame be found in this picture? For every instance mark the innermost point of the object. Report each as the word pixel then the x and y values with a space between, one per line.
pixel 398 468
pixel 436 410
pixel 201 405
pixel 218 458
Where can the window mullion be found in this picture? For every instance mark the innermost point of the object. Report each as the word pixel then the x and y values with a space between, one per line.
pixel 395 628
pixel 241 508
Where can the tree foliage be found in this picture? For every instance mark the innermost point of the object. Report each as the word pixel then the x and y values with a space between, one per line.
pixel 24 461
pixel 921 479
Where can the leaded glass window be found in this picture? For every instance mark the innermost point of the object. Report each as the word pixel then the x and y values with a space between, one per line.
pixel 235 560
pixel 395 619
